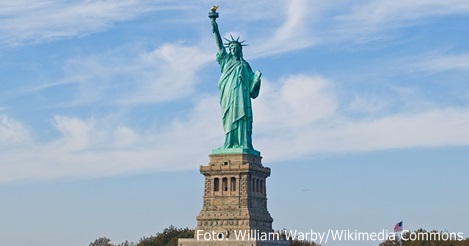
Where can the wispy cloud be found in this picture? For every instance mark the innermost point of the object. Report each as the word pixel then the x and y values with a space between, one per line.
pixel 302 99
pixel 445 62
pixel 171 72
pixel 29 21
pixel 312 124
pixel 305 24
pixel 369 21
pixel 128 75
pixel 294 118
pixel 294 33
pixel 98 147
pixel 12 132
pixel 385 12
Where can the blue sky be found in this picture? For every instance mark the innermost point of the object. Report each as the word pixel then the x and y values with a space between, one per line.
pixel 108 108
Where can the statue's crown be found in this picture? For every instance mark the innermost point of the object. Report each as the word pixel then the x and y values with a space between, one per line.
pixel 234 41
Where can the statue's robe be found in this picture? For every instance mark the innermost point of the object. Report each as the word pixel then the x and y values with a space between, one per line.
pixel 237 87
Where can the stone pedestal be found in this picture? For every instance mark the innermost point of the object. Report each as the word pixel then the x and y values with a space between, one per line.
pixel 235 203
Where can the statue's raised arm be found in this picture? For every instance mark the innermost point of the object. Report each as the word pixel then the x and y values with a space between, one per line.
pixel 213 15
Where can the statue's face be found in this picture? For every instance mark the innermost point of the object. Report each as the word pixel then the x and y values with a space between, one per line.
pixel 236 50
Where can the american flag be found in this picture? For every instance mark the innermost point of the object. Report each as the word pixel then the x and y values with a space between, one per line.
pixel 398 227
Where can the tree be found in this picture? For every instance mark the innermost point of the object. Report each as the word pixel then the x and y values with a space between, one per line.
pixel 102 241
pixel 294 241
pixel 169 237
pixel 126 243
pixel 422 237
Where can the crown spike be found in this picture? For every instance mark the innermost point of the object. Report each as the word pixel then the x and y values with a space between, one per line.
pixel 234 41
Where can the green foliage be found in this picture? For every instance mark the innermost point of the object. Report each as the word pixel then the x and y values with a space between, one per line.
pixel 426 238
pixel 295 242
pixel 169 237
pixel 126 243
pixel 102 241
pixel 390 243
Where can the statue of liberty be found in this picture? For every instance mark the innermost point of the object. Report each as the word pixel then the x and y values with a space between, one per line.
pixel 237 85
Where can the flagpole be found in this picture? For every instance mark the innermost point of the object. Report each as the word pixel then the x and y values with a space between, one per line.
pixel 398 228
pixel 401 227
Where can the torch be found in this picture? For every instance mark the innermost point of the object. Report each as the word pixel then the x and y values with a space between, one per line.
pixel 213 14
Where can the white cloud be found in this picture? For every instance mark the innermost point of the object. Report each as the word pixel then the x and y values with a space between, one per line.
pixel 446 62
pixel 76 133
pixel 431 128
pixel 374 20
pixel 294 33
pixel 102 147
pixel 312 124
pixel 12 132
pixel 129 76
pixel 305 23
pixel 369 104
pixel 170 73
pixel 125 137
pixel 294 118
pixel 388 11
pixel 25 21
pixel 294 102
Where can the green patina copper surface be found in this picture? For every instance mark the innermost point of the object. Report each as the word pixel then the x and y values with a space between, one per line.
pixel 237 85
